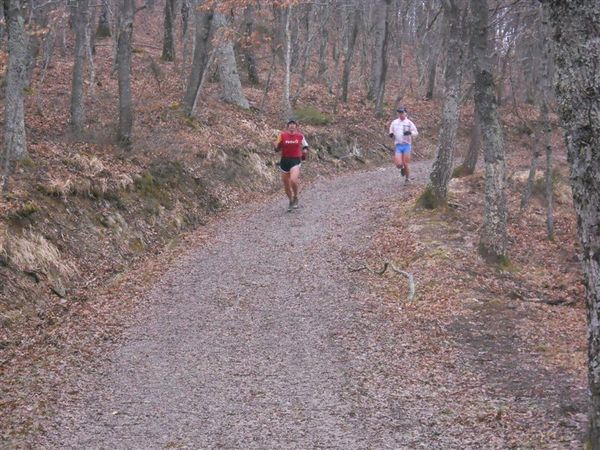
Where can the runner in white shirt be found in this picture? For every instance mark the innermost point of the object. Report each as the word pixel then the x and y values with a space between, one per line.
pixel 402 130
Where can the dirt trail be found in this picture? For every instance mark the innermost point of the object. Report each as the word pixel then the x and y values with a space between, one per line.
pixel 245 342
pixel 263 338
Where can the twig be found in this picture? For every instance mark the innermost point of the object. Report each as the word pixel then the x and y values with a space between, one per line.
pixel 386 265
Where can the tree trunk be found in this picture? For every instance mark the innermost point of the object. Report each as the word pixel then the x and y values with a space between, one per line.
pixel 286 104
pixel 77 101
pixel 38 17
pixel 294 33
pixel 306 51
pixel 493 238
pixel 200 61
pixel 228 73
pixel 38 21
pixel 321 72
pixel 2 23
pixel 124 72
pixel 103 29
pixel 384 66
pixel 442 167
pixel 185 18
pixel 90 38
pixel 47 52
pixel 532 169
pixel 168 52
pixel 186 35
pixel 378 56
pixel 548 173
pixel 470 162
pixel 279 44
pixel 577 54
pixel 248 53
pixel 15 143
pixel 431 77
pixel 355 20
pixel 545 85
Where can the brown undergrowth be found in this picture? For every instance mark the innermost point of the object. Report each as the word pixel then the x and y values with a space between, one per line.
pixel 512 335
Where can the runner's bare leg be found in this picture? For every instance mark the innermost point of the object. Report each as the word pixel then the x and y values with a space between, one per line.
pixel 294 181
pixel 398 159
pixel 287 185
pixel 405 161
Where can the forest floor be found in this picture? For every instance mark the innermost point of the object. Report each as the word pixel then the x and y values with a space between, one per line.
pixel 261 335
pixel 103 250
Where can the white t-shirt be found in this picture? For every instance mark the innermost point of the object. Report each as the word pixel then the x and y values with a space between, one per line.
pixel 398 127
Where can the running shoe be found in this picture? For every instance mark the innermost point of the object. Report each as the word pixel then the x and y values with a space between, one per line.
pixel 295 203
pixel 290 206
pixel 402 170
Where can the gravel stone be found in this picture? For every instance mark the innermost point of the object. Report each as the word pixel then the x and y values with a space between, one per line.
pixel 251 341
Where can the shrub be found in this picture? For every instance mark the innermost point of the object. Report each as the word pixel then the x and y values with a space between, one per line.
pixel 28 209
pixel 539 186
pixel 312 116
pixel 27 162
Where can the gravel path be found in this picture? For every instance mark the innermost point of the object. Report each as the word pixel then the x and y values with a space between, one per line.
pixel 253 340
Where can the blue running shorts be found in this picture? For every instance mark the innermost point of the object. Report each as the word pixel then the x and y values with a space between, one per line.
pixel 402 148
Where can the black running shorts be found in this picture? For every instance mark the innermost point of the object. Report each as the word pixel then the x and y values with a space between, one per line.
pixel 287 163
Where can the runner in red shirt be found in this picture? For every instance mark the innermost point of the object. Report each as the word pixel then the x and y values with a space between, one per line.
pixel 294 149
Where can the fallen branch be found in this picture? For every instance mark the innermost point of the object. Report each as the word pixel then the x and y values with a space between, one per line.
pixel 386 265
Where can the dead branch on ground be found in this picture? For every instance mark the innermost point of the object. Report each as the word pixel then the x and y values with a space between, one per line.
pixel 390 265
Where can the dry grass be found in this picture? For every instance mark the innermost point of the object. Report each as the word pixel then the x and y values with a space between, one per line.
pixel 59 187
pixel 3 247
pixel 123 182
pixel 33 252
pixel 89 166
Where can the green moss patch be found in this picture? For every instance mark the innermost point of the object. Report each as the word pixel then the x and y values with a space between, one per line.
pixel 312 116
pixel 427 200
pixel 460 171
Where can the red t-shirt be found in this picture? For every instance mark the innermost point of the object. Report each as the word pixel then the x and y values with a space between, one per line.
pixel 290 144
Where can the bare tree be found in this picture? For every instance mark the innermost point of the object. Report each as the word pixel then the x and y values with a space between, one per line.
pixel 470 161
pixel 103 29
pixel 37 24
pixel 429 31
pixel 548 172
pixel 546 76
pixel 379 58
pixel 442 166
pixel 80 15
pixel 15 143
pixel 286 105
pixel 247 51
pixel 380 85
pixel 310 17
pixel 493 238
pixel 200 61
pixel 228 73
pixel 168 52
pixel 535 156
pixel 355 19
pixel 537 81
pixel 324 42
pixel 577 55
pixel 124 72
